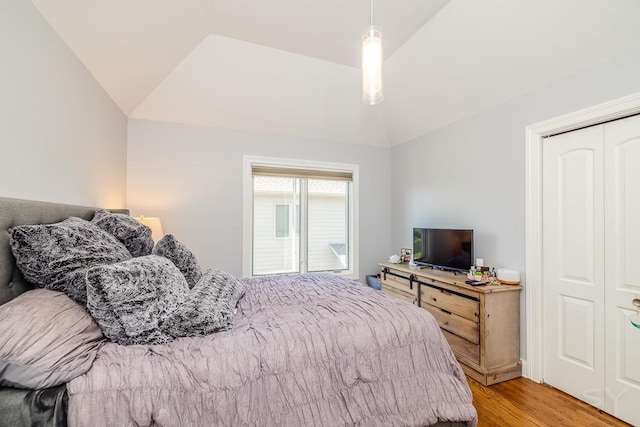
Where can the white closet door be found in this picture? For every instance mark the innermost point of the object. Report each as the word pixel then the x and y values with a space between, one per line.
pixel 573 252
pixel 622 267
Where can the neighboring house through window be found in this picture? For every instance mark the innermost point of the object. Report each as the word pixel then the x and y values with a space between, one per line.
pixel 283 217
pixel 299 217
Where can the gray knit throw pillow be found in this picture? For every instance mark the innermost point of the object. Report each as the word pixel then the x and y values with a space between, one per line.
pixel 176 251
pixel 132 301
pixel 136 237
pixel 210 306
pixel 57 256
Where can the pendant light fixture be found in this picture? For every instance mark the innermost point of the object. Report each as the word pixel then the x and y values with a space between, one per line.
pixel 372 64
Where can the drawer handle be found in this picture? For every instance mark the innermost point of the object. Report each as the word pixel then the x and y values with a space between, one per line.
pixel 435 299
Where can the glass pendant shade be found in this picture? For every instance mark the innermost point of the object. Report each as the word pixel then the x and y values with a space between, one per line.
pixel 372 66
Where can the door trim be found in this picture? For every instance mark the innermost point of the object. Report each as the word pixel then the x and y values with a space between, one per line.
pixel 534 134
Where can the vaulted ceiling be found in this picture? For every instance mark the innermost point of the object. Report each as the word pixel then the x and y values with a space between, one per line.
pixel 292 66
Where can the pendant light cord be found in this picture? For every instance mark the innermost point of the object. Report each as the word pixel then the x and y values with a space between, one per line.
pixel 372 13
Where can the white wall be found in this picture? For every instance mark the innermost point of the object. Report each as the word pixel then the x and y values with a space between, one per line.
pixel 471 174
pixel 191 177
pixel 62 139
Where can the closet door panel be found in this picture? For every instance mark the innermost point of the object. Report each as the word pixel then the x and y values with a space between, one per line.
pixel 573 275
pixel 622 267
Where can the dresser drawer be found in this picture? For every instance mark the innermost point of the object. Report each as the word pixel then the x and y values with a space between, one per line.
pixel 458 325
pixel 401 294
pixel 400 282
pixel 454 303
pixel 463 348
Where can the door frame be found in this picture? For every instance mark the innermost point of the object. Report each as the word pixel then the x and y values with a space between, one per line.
pixel 534 134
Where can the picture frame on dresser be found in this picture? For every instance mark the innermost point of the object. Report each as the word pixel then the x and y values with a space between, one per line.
pixel 405 255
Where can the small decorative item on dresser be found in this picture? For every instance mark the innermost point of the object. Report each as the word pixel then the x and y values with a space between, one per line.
pixel 509 277
pixel 405 255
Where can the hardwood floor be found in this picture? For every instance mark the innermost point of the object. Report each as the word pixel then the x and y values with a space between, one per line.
pixel 522 402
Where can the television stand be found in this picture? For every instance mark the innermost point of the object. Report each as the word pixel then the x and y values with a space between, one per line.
pixel 481 323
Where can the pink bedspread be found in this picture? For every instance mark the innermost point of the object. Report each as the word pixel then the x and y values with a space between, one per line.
pixel 305 350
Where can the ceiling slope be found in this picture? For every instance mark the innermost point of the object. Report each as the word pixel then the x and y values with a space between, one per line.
pixel 329 29
pixel 233 84
pixel 476 54
pixel 291 66
pixel 129 45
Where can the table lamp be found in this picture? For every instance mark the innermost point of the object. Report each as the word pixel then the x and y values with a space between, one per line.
pixel 154 224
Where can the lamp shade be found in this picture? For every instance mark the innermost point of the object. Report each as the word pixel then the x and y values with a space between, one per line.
pixel 154 224
pixel 372 66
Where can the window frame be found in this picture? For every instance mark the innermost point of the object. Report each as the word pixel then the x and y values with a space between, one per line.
pixel 247 208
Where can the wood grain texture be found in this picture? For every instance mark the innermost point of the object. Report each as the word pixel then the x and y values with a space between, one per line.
pixel 522 402
pixel 465 307
pixel 481 323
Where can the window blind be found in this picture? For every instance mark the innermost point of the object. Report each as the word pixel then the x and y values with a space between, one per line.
pixel 289 172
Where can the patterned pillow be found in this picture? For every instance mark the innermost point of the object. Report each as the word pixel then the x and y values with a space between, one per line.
pixel 176 251
pixel 209 307
pixel 132 300
pixel 45 340
pixel 57 256
pixel 134 236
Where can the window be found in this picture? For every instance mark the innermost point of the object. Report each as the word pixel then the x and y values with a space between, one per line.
pixel 282 221
pixel 298 217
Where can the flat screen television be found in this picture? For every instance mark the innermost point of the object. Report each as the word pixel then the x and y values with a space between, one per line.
pixel 445 249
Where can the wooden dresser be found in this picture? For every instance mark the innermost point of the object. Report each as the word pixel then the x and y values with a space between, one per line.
pixel 481 323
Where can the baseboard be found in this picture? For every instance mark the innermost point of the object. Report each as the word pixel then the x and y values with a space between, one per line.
pixel 525 368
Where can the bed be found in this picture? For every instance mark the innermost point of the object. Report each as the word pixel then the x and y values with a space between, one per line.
pixel 304 350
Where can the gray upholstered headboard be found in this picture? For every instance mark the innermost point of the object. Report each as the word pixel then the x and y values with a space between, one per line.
pixel 19 212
